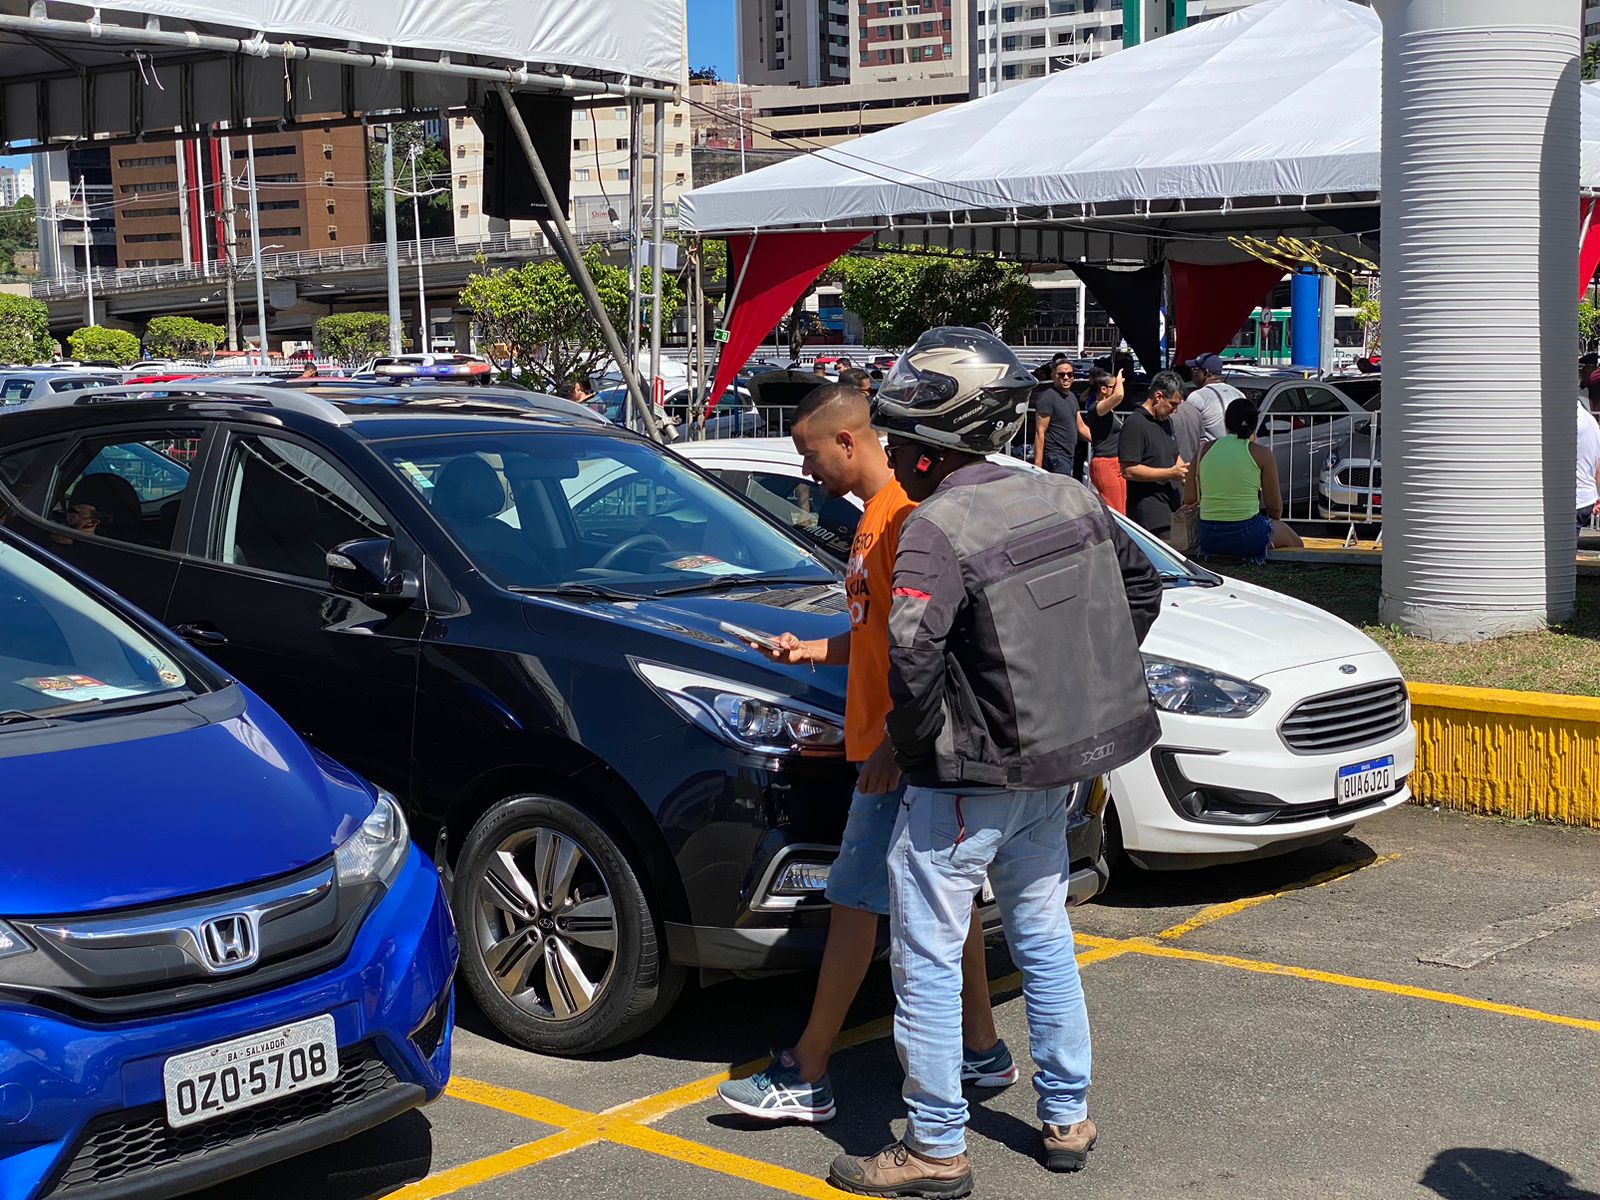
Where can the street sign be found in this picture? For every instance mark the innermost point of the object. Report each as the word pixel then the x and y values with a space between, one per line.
pixel 1268 316
pixel 721 335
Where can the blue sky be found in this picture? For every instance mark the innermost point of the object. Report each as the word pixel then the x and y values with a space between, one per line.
pixel 711 36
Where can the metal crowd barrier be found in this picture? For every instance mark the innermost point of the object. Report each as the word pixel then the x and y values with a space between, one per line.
pixel 1330 466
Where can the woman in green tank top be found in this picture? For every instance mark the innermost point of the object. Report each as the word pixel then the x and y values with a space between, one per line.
pixel 1235 483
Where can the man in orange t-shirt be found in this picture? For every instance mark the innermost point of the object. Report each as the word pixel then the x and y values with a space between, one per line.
pixel 832 430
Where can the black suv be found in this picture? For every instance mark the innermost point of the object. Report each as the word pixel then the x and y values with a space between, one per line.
pixel 506 611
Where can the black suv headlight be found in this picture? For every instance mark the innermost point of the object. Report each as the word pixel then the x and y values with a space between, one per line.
pixel 746 717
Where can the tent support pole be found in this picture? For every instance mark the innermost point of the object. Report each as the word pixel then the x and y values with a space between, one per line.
pixel 657 238
pixel 580 273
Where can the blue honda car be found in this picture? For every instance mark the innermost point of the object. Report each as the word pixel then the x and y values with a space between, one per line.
pixel 218 948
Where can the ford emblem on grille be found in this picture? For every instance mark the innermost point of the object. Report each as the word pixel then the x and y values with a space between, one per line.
pixel 1348 668
pixel 228 943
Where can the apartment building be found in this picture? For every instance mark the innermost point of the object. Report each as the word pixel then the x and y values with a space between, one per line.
pixel 14 185
pixel 804 43
pixel 173 197
pixel 790 118
pixel 901 40
pixel 69 186
pixel 602 140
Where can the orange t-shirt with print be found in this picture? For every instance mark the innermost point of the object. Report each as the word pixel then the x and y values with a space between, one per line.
pixel 869 586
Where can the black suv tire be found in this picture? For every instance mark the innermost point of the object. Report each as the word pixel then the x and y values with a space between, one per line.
pixel 534 885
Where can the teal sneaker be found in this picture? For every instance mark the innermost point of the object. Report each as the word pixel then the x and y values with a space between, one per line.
pixel 779 1094
pixel 990 1069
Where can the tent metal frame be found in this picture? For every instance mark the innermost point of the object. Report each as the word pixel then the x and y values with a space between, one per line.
pixel 187 49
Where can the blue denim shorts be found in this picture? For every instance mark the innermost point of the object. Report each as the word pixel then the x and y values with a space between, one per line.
pixel 860 875
pixel 1243 539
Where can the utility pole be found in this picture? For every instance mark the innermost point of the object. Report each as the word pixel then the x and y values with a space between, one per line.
pixel 88 254
pixel 391 235
pixel 416 221
pixel 230 244
pixel 255 247
pixel 415 193
pixel 635 225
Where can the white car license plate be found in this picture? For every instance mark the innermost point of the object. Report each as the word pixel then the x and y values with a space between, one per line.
pixel 1363 781
pixel 250 1070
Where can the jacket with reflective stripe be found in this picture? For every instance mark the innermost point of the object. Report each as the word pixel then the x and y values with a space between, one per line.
pixel 1019 609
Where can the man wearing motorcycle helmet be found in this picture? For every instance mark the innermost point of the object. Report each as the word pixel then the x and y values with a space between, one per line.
pixel 1019 606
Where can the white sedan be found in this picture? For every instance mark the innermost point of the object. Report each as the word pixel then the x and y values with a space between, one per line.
pixel 1281 726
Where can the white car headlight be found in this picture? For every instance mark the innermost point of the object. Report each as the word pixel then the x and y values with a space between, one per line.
pixel 746 717
pixel 11 942
pixel 1196 692
pixel 374 852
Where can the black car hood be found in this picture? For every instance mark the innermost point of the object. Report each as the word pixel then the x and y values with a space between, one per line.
pixel 805 610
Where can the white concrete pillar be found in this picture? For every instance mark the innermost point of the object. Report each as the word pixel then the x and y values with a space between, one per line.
pixel 1480 227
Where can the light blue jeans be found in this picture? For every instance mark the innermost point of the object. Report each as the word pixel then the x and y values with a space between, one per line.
pixel 943 845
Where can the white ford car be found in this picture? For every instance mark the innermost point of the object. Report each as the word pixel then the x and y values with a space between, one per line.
pixel 1281 726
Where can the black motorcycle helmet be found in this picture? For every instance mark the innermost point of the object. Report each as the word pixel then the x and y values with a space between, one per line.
pixel 956 389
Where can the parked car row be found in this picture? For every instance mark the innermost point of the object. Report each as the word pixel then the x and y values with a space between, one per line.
pixel 1282 725
pixel 491 621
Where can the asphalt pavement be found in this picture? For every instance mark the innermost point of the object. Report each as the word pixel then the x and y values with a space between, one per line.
pixel 1411 1012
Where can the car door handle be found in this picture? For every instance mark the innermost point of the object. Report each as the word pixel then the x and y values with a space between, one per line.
pixel 202 635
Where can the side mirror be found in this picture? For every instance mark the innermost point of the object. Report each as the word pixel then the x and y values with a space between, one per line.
pixel 365 569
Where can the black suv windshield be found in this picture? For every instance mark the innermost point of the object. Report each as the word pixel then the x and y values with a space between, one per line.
pixel 64 650
pixel 543 510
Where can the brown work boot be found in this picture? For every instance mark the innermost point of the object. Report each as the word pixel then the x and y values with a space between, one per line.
pixel 1066 1147
pixel 898 1170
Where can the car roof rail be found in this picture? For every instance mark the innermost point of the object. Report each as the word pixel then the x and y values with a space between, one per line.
pixel 261 395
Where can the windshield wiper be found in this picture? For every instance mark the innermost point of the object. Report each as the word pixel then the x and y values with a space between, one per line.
pixel 1170 577
pixel 581 591
pixel 723 583
pixel 17 716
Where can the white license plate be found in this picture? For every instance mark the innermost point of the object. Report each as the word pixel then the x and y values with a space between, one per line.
pixel 250 1070
pixel 1363 781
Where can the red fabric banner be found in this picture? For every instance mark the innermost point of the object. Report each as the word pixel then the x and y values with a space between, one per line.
pixel 769 272
pixel 1589 248
pixel 1211 303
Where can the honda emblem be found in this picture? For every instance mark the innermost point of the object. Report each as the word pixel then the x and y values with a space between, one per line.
pixel 228 943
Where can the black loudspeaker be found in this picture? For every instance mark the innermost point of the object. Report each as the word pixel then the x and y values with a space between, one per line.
pixel 509 190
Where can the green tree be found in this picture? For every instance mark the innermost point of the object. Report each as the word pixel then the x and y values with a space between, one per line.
pixel 96 343
pixel 1588 323
pixel 898 296
pixel 18 231
pixel 432 171
pixel 1591 60
pixel 182 337
pixel 538 315
pixel 352 338
pixel 705 75
pixel 1369 314
pixel 24 330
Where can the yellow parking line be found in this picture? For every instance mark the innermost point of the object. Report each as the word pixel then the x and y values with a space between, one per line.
pixel 653 1141
pixel 585 1128
pixel 482 1170
pixel 1156 950
pixel 1216 912
pixel 520 1104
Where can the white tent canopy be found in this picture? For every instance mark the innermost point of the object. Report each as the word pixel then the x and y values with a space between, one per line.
pixel 1274 107
pixel 138 68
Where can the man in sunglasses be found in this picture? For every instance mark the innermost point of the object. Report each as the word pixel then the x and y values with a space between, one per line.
pixel 1058 420
pixel 1008 585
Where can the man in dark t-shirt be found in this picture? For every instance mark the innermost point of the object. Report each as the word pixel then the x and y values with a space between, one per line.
pixel 1148 449
pixel 1058 423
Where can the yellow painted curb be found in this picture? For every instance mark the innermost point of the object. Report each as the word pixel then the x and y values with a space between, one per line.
pixel 1507 754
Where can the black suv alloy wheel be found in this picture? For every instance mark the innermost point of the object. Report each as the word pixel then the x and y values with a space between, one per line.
pixel 559 943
